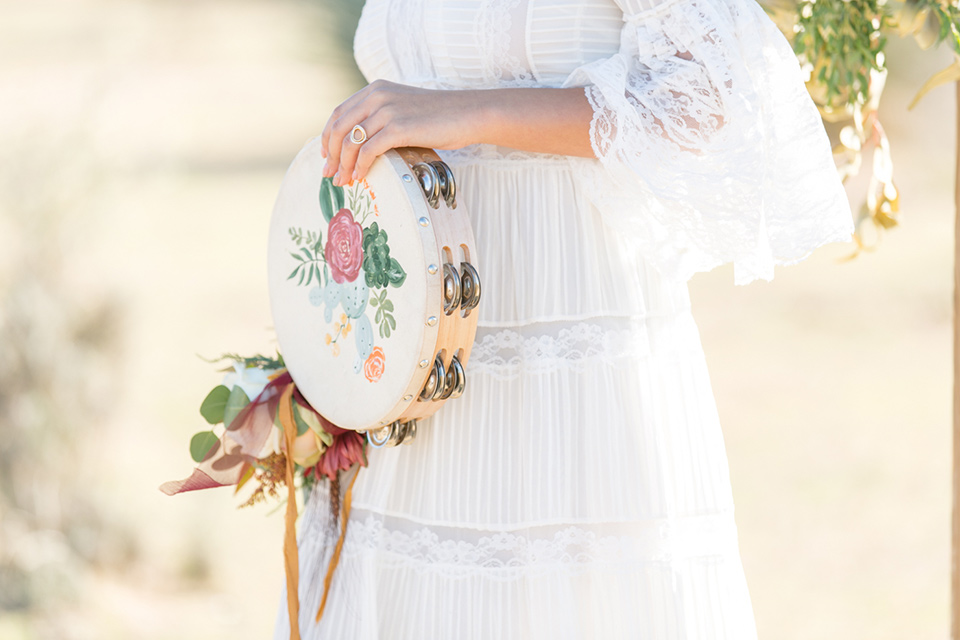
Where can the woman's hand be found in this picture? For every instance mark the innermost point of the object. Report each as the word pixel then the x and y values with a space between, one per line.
pixel 395 115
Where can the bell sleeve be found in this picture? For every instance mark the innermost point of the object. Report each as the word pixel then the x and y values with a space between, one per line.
pixel 710 149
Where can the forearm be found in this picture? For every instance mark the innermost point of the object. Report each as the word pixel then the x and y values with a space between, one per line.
pixel 385 115
pixel 539 120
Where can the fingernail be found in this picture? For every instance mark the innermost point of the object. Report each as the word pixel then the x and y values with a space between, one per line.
pixel 336 179
pixel 323 152
pixel 354 178
pixel 326 168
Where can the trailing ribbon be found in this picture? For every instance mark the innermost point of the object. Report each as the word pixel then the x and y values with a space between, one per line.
pixel 335 559
pixel 290 552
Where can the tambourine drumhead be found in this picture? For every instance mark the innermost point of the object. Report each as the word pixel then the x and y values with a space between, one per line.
pixel 355 288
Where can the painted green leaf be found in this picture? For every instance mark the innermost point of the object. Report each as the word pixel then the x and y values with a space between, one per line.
pixel 235 403
pixel 214 404
pixel 203 444
pixel 331 198
pixel 297 256
pixel 379 315
pixel 387 305
pixel 391 322
pixel 374 301
pixel 310 273
pixel 293 273
pixel 395 273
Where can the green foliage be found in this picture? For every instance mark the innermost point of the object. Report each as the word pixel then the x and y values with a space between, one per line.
pixel 215 404
pixel 842 42
pixel 235 403
pixel 251 362
pixel 203 444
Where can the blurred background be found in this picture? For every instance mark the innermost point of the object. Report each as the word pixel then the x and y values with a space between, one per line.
pixel 142 143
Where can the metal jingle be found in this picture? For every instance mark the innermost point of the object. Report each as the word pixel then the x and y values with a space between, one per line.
pixel 429 181
pixel 460 378
pixel 451 288
pixel 380 436
pixel 449 381
pixel 430 386
pixel 441 376
pixel 441 176
pixel 397 433
pixel 469 287
pixel 411 431
pixel 448 184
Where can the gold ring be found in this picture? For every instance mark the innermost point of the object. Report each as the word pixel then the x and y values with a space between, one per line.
pixel 358 135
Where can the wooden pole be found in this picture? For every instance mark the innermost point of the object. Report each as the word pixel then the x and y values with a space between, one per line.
pixel 955 537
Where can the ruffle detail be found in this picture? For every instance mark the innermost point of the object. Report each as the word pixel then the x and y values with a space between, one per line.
pixel 664 579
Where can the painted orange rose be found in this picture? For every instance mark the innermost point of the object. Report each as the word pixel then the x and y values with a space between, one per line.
pixel 373 367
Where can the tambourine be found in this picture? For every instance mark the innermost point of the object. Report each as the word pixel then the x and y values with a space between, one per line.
pixel 374 289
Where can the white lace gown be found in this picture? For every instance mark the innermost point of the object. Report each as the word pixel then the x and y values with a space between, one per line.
pixel 579 488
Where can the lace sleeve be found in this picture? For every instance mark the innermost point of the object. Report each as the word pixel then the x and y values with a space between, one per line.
pixel 710 149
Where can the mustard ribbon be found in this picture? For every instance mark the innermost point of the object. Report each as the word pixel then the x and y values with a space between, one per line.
pixel 290 553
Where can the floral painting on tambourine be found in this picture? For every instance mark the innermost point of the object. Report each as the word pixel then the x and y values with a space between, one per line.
pixel 346 264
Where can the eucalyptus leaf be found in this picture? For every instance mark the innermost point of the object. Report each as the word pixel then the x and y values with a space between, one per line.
pixel 203 444
pixel 235 403
pixel 214 404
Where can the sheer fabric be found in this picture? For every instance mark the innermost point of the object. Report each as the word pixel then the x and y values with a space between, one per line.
pixel 580 487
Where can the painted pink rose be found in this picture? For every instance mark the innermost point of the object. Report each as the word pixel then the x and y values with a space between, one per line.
pixel 344 249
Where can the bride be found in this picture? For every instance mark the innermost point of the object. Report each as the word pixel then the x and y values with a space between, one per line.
pixel 607 150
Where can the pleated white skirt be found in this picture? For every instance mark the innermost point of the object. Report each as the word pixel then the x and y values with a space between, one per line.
pixel 579 488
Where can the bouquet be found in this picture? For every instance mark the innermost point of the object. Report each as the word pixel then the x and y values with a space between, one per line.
pixel 263 431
